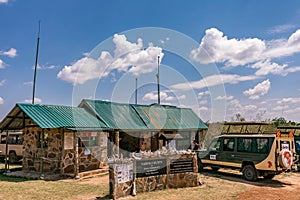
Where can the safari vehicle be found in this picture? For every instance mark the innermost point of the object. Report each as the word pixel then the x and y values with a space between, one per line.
pixel 14 146
pixel 254 154
pixel 296 132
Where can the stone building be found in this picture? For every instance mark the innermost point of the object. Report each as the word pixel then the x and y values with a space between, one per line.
pixel 51 135
pixel 146 127
pixel 68 140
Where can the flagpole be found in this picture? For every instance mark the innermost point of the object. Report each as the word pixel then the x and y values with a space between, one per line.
pixel 36 63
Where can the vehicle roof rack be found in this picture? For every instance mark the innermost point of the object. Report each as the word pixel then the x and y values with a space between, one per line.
pixel 244 127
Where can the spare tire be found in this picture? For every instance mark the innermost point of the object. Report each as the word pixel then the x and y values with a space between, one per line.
pixel 286 159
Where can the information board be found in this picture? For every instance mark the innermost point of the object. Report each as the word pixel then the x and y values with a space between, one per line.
pixel 124 172
pixel 151 167
pixel 181 166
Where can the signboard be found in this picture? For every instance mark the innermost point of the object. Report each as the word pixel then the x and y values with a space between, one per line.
pixel 181 166
pixel 151 167
pixel 124 172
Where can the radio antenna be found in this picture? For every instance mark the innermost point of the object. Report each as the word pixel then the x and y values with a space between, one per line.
pixel 158 87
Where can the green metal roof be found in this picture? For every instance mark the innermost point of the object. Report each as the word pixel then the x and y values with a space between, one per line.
pixel 51 116
pixel 115 115
pixel 141 117
pixel 169 117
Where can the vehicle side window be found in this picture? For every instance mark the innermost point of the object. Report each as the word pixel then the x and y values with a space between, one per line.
pixel 244 144
pixel 228 144
pixel 263 145
pixel 3 139
pixel 11 139
pixel 297 145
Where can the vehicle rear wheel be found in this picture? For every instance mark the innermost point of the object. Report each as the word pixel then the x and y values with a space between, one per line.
pixel 12 157
pixel 269 176
pixel 200 165
pixel 249 173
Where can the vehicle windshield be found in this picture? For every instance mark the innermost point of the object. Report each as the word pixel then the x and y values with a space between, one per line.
pixel 215 144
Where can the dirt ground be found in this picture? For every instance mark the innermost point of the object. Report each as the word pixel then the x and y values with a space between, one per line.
pixel 283 186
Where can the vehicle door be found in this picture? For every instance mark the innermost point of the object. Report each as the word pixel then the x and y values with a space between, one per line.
pixel 212 154
pixel 228 154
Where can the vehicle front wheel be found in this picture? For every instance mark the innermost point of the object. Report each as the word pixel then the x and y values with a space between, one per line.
pixel 215 168
pixel 249 173
pixel 12 157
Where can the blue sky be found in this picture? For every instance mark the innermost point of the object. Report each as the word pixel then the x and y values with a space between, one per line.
pixel 219 58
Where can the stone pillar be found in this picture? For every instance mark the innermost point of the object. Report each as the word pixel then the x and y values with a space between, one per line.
pixel 192 137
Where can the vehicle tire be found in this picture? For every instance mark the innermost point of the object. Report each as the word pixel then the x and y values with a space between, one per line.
pixel 215 168
pixel 286 159
pixel 269 176
pixel 200 165
pixel 12 157
pixel 249 173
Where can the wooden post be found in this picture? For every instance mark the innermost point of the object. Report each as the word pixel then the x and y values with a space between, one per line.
pixel 117 143
pixel 76 156
pixel 6 150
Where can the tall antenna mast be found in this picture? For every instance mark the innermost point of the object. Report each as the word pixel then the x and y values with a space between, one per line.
pixel 36 62
pixel 158 87
pixel 136 84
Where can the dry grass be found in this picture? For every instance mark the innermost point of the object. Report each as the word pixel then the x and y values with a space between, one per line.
pixel 225 184
pixel 20 188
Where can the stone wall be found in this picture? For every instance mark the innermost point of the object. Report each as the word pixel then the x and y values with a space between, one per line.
pixel 36 158
pixel 58 156
pixel 97 156
pixel 171 179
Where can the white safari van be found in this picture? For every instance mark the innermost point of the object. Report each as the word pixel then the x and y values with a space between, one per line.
pixel 253 154
pixel 14 146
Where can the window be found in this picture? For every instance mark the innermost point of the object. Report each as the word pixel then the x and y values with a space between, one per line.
pixel 228 144
pixel 12 139
pixel 297 145
pixel 244 144
pixel 88 139
pixel 263 145
pixel 253 145
pixel 215 145
pixel 42 139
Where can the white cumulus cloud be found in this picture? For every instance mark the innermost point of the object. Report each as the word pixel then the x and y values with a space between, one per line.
pixel 289 100
pixel 213 80
pixel 2 82
pixel 128 57
pixel 1 100
pixel 164 96
pixel 259 90
pixel 2 64
pixel 36 100
pixel 215 47
pixel 3 1
pixel 267 67
pixel 224 98
pixel 12 52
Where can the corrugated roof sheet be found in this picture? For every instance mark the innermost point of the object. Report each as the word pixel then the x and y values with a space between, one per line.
pixel 51 116
pixel 140 117
pixel 115 115
pixel 169 117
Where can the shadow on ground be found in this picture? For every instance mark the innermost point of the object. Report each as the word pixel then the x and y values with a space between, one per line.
pixel 235 176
